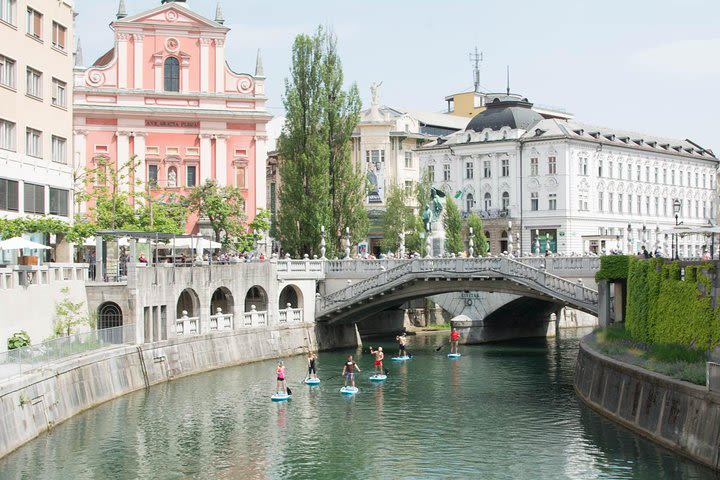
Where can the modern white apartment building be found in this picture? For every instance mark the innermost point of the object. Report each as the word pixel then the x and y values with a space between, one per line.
pixel 36 67
pixel 559 184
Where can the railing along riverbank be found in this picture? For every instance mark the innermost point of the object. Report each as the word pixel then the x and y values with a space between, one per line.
pixel 24 359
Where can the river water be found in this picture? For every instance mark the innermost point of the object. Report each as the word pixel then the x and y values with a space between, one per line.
pixel 503 411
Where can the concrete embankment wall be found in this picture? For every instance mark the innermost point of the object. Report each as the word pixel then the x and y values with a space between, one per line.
pixel 680 416
pixel 34 403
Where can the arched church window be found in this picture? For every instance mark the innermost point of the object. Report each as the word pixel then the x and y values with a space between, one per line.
pixel 172 75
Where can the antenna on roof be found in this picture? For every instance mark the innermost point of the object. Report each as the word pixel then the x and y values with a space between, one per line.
pixel 476 58
pixel 508 79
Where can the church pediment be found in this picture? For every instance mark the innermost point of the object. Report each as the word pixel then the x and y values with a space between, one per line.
pixel 172 14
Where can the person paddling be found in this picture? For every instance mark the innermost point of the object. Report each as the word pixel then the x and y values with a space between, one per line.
pixel 402 345
pixel 349 371
pixel 280 371
pixel 312 372
pixel 379 355
pixel 454 338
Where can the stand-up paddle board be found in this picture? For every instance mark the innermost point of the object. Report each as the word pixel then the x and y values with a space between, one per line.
pixel 349 390
pixel 312 381
pixel 378 378
pixel 281 397
pixel 401 359
pixel 454 355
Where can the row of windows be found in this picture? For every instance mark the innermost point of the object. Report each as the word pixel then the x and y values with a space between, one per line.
pixel 33 142
pixel 487 201
pixel 470 170
pixel 33 83
pixel 33 23
pixel 173 180
pixel 378 156
pixel 33 198
pixel 680 177
pixel 639 204
pixel 535 201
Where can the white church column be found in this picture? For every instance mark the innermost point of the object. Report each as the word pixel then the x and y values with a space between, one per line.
pixel 138 67
pixel 123 155
pixel 221 159
pixel 122 59
pixel 205 157
pixel 141 170
pixel 205 64
pixel 185 74
pixel 260 173
pixel 219 65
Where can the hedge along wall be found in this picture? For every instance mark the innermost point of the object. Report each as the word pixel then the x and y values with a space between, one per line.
pixel 613 268
pixel 662 308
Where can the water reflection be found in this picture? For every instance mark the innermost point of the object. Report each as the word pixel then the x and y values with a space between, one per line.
pixel 500 411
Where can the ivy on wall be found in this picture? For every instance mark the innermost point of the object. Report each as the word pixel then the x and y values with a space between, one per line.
pixel 613 268
pixel 662 307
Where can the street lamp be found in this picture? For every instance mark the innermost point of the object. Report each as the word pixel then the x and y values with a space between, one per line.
pixel 629 239
pixel 677 205
pixel 510 239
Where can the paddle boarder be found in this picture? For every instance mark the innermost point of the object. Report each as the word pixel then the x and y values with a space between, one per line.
pixel 379 355
pixel 349 371
pixel 280 372
pixel 312 357
pixel 454 338
pixel 402 343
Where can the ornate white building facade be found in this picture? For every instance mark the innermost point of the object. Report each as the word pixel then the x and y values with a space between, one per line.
pixel 568 187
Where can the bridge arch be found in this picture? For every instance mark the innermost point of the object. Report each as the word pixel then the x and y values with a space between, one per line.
pixel 256 297
pixel 188 301
pixel 109 315
pixel 222 297
pixel 290 294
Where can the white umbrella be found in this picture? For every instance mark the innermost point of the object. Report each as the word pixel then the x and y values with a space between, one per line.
pixel 19 243
pixel 197 243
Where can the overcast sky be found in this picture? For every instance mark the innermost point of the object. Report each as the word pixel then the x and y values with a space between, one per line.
pixel 651 66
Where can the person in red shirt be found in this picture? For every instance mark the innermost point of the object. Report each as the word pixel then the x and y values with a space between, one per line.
pixel 454 338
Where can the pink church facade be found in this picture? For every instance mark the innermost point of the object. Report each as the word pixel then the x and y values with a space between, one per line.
pixel 165 95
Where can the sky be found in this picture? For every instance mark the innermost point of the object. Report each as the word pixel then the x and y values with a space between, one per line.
pixel 649 66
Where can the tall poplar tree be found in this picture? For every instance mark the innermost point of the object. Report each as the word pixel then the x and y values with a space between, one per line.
pixel 453 227
pixel 319 185
pixel 398 218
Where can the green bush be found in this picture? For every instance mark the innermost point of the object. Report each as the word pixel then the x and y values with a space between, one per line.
pixel 666 352
pixel 613 267
pixel 663 308
pixel 18 340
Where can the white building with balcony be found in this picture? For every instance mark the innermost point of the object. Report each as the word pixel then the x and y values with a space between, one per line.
pixel 561 185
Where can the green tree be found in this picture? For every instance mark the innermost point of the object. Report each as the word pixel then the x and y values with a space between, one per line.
pixel 319 184
pixel 479 238
pixel 69 315
pixel 224 207
pixel 453 227
pixel 398 218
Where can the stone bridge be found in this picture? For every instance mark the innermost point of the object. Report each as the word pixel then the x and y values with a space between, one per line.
pixel 166 300
pixel 393 283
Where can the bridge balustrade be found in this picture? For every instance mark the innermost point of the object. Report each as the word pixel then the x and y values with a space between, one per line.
pixel 510 269
pixel 255 318
pixel 291 315
pixel 187 326
pixel 221 321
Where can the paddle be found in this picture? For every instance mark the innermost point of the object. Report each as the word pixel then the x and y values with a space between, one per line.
pixel 439 347
pixel 289 392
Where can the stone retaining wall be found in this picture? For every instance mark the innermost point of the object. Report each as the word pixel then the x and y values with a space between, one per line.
pixel 34 403
pixel 677 415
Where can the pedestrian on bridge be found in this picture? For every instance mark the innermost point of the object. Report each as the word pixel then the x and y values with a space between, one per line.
pixel 454 339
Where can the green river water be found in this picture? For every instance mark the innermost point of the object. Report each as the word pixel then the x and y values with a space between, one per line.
pixel 502 411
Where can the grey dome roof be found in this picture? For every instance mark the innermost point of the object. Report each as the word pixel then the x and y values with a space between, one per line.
pixel 507 112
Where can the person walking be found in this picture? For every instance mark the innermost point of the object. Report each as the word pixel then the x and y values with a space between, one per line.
pixel 454 339
pixel 379 355
pixel 349 371
pixel 312 372
pixel 281 386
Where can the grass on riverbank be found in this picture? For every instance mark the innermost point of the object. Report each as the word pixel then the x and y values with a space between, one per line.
pixel 437 326
pixel 677 361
